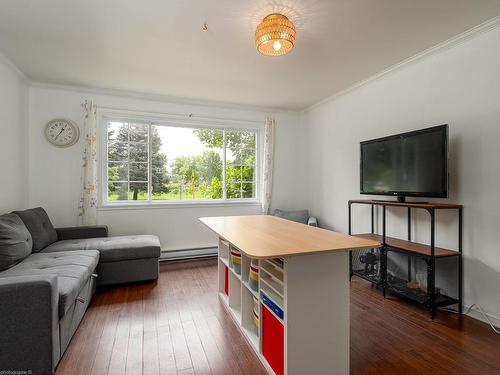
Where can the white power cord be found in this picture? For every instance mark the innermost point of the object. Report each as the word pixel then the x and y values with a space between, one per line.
pixel 486 317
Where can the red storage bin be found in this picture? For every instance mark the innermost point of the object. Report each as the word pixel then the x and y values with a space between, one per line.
pixel 226 281
pixel 273 341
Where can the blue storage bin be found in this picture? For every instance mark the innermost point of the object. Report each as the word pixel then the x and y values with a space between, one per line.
pixel 272 306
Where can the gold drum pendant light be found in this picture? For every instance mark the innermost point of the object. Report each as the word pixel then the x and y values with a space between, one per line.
pixel 275 35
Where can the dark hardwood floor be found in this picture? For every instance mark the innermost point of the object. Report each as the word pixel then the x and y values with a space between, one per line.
pixel 177 326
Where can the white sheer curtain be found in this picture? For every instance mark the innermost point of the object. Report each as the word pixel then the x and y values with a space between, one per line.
pixel 88 201
pixel 267 181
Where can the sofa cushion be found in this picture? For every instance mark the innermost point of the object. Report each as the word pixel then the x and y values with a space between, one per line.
pixel 38 223
pixel 301 216
pixel 15 241
pixel 72 269
pixel 113 249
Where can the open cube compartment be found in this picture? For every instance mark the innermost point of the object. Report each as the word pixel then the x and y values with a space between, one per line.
pixel 247 322
pixel 235 294
pixel 224 250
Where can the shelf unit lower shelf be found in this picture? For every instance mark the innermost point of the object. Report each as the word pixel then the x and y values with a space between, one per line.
pixel 368 276
pixel 399 287
pixel 418 295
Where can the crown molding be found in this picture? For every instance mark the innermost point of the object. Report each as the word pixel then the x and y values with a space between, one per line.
pixel 161 98
pixel 13 67
pixel 448 44
pixel 441 47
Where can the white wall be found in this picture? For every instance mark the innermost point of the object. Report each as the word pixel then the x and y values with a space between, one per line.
pixel 13 138
pixel 55 173
pixel 459 86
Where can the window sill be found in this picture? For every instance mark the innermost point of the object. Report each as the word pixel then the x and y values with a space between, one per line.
pixel 176 205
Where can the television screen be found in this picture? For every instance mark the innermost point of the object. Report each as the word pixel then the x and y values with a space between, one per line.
pixel 408 164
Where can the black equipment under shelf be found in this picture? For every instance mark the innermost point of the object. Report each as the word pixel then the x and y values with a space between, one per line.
pixel 417 295
pixel 368 276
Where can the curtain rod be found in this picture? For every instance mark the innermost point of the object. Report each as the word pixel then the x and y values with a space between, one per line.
pixel 181 115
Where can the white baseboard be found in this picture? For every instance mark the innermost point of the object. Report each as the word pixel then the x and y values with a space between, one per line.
pixel 188 253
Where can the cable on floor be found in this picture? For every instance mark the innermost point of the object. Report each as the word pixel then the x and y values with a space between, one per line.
pixel 486 317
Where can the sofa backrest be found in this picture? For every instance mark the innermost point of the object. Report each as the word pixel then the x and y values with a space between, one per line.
pixel 301 216
pixel 38 223
pixel 15 241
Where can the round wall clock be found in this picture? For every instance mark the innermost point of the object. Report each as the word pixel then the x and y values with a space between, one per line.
pixel 62 132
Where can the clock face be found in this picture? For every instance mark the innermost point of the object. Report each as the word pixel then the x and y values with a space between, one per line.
pixel 62 133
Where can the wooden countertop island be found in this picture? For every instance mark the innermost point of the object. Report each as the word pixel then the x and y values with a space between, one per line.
pixel 265 236
pixel 295 313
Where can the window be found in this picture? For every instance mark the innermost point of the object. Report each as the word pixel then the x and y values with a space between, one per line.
pixel 156 163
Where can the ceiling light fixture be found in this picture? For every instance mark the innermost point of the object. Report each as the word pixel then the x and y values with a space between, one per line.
pixel 275 35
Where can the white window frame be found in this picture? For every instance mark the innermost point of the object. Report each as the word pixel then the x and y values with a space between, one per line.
pixel 105 116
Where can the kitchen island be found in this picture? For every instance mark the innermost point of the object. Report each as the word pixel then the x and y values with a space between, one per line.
pixel 296 317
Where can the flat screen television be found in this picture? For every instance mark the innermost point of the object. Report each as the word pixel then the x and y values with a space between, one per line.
pixel 413 164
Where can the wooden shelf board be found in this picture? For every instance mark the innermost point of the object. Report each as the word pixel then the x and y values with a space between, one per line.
pixel 225 261
pixel 438 206
pixel 411 247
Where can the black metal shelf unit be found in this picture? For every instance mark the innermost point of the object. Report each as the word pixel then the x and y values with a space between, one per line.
pixel 374 267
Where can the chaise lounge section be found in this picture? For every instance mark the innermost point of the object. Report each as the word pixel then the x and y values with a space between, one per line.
pixel 123 259
pixel 48 277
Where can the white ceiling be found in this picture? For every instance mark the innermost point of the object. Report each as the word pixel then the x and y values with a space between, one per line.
pixel 159 47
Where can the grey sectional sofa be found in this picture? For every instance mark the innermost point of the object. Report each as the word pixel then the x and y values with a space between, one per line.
pixel 48 277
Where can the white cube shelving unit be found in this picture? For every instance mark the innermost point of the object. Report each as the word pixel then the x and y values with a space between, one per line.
pixel 302 329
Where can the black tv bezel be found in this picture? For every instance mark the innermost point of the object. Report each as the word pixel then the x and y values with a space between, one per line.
pixel 420 194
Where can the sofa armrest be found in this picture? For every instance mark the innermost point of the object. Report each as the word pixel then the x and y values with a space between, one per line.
pixel 76 233
pixel 29 324
pixel 313 222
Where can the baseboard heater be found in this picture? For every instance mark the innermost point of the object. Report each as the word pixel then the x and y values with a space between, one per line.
pixel 200 252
